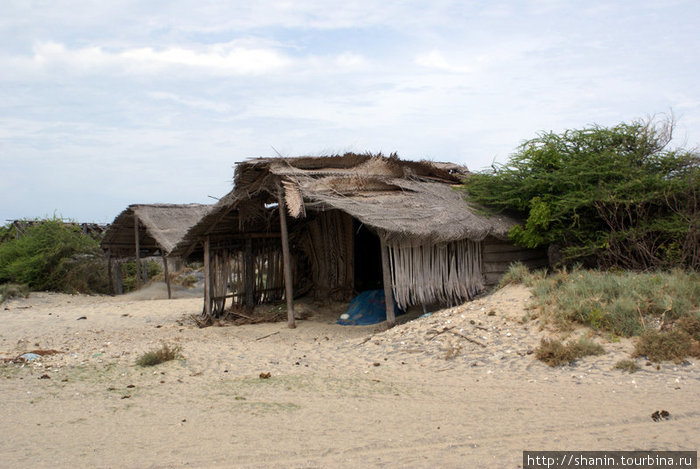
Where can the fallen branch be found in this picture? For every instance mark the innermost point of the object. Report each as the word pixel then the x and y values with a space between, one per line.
pixel 469 339
pixel 441 332
pixel 365 341
pixel 268 335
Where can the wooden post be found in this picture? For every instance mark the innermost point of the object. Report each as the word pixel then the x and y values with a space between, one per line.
pixel 110 274
pixel 138 254
pixel 288 285
pixel 207 279
pixel 249 269
pixel 388 297
pixel 167 276
pixel 118 286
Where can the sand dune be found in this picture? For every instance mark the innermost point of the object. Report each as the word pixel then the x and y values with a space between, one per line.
pixel 413 396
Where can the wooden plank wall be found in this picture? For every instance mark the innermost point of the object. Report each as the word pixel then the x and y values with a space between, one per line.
pixel 498 255
pixel 329 244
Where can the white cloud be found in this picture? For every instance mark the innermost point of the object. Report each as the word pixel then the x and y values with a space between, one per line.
pixel 436 60
pixel 223 58
pixel 202 104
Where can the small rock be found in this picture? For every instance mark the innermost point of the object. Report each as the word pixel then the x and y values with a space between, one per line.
pixel 265 375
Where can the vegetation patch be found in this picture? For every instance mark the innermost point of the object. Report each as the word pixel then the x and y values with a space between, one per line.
pixel 13 290
pixel 158 356
pixel 53 255
pixel 554 353
pixel 604 196
pixel 621 303
pixel 629 366
pixel 671 345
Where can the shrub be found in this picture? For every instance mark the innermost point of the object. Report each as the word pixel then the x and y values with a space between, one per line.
pixel 605 196
pixel 158 356
pixel 673 345
pixel 50 255
pixel 13 290
pixel 627 365
pixel 153 269
pixel 554 353
pixel 517 273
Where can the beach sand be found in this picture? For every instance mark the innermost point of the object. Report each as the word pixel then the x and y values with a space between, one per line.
pixel 337 396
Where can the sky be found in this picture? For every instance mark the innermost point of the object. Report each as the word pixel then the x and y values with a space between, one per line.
pixel 106 104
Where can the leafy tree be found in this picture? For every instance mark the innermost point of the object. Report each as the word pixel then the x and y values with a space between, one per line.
pixel 605 196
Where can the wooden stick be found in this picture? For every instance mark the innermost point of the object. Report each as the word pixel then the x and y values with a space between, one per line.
pixel 288 286
pixel 207 279
pixel 138 253
pixel 268 335
pixel 167 276
pixel 388 298
pixel 468 338
pixel 446 329
pixel 118 286
pixel 110 274
pixel 249 274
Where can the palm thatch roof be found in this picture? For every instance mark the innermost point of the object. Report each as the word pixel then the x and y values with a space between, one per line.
pixel 405 201
pixel 161 227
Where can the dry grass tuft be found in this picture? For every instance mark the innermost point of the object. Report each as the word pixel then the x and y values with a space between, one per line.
pixel 674 345
pixel 161 355
pixel 554 353
pixel 627 365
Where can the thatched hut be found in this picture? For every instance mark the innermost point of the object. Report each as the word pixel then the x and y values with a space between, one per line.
pixel 148 230
pixel 332 226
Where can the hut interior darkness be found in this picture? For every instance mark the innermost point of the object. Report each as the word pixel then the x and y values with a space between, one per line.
pixel 147 230
pixel 332 226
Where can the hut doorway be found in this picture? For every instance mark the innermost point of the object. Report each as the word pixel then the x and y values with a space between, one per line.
pixel 368 259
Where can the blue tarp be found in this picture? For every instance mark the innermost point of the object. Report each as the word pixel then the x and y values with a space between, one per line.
pixel 367 308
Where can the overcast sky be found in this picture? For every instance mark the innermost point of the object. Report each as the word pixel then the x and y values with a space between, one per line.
pixel 109 103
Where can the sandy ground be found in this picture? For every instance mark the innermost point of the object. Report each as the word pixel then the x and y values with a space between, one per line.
pixel 338 396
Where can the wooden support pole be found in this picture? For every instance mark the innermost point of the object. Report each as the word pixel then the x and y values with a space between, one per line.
pixel 207 279
pixel 388 296
pixel 167 276
pixel 288 285
pixel 118 286
pixel 110 274
pixel 249 270
pixel 138 253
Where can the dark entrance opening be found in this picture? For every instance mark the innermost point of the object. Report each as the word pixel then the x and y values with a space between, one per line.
pixel 368 259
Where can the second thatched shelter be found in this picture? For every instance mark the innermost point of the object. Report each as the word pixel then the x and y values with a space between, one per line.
pixel 147 230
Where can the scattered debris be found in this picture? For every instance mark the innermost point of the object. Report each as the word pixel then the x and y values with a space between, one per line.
pixel 660 415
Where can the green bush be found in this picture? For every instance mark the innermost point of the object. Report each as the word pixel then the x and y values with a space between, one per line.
pixel 53 255
pixel 153 269
pixel 605 196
